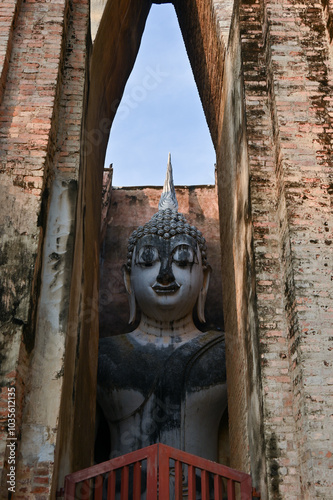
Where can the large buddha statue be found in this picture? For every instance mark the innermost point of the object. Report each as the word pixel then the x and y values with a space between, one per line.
pixel 165 381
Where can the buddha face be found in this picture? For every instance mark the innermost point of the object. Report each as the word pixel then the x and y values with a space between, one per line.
pixel 167 276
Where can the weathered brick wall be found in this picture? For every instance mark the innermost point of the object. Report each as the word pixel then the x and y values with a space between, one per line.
pixel 288 89
pixel 287 94
pixel 238 274
pixel 301 103
pixel 41 118
pixel 281 452
pixel 26 144
pixel 8 16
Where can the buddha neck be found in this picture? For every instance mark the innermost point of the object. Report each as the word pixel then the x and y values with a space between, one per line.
pixel 168 331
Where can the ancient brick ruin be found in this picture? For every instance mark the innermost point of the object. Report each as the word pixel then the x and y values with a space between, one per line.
pixel 264 71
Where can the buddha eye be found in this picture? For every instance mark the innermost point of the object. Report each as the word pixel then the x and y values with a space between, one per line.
pixel 147 256
pixel 184 255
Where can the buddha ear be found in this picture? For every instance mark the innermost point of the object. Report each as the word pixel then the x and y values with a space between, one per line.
pixel 203 295
pixel 130 293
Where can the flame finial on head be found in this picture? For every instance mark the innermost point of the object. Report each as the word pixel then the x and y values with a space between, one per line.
pixel 168 197
pixel 167 222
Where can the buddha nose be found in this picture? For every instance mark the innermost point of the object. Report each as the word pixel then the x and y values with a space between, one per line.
pixel 165 275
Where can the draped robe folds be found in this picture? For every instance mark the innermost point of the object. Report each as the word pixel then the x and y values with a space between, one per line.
pixel 173 394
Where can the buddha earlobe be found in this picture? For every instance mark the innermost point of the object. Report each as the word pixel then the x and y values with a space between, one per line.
pixel 203 295
pixel 130 294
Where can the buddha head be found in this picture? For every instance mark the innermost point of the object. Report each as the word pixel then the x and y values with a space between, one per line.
pixel 167 273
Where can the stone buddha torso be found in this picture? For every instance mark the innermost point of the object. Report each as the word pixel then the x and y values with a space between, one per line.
pixel 165 382
pixel 174 394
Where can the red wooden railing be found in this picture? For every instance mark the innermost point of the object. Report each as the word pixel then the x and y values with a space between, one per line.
pixel 162 471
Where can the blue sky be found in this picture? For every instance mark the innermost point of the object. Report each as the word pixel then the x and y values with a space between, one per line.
pixel 160 112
